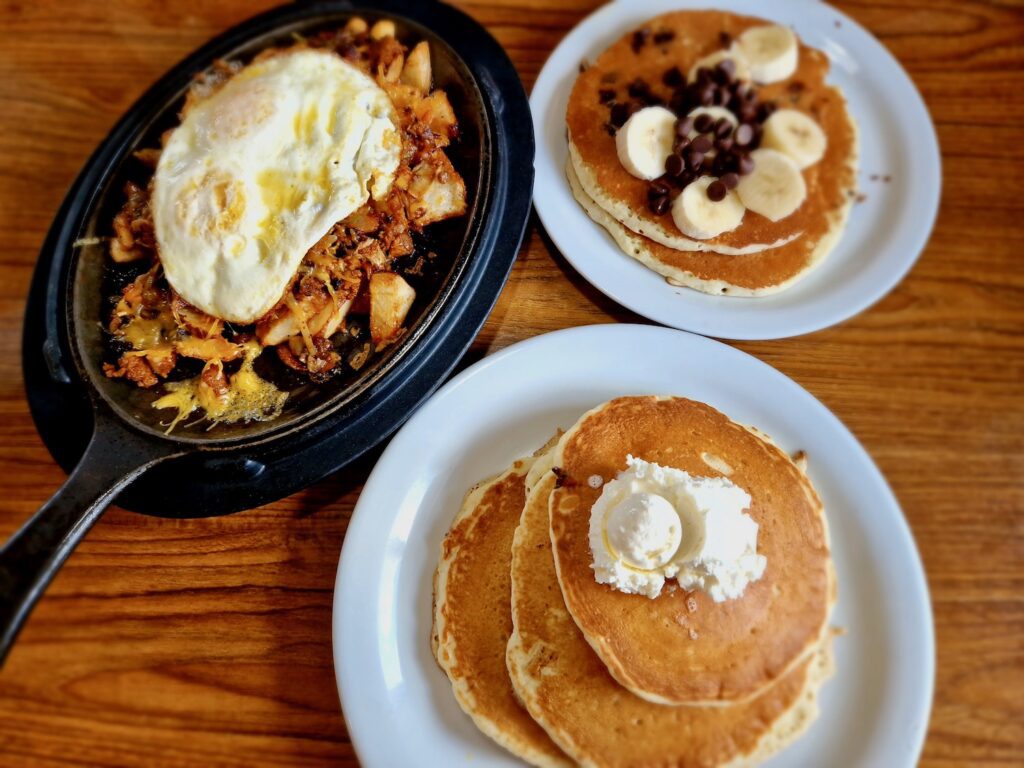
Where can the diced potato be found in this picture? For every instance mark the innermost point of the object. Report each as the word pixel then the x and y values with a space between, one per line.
pixel 122 255
pixel 327 320
pixel 285 321
pixel 436 111
pixel 393 71
pixel 356 25
pixel 383 28
pixel 371 252
pixel 390 300
pixel 417 72
pixel 437 191
pixel 217 348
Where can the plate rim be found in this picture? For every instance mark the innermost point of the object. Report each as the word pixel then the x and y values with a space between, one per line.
pixel 541 99
pixel 362 520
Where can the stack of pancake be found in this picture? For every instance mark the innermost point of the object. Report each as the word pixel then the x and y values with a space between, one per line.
pixel 562 670
pixel 760 256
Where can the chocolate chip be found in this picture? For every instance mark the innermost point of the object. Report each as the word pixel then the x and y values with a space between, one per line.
pixel 665 36
pixel 766 110
pixel 659 205
pixel 725 39
pixel 717 191
pixel 727 67
pixel 681 143
pixel 658 188
pixel 683 126
pixel 708 166
pixel 686 178
pixel 703 123
pixel 701 144
pixel 704 78
pixel 720 165
pixel 620 114
pixel 723 128
pixel 694 159
pixel 674 165
pixel 607 95
pixel 721 97
pixel 724 144
pixel 745 165
pixel 707 96
pixel 640 38
pixel 610 129
pixel 747 113
pixel 730 180
pixel 637 88
pixel 673 77
pixel 744 135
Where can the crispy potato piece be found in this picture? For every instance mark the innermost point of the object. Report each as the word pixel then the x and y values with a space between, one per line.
pixel 390 300
pixel 383 28
pixel 417 71
pixel 216 348
pixel 193 319
pixel 122 255
pixel 437 192
pixel 436 111
pixel 357 26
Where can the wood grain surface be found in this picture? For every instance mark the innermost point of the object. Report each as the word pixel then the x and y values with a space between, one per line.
pixel 208 642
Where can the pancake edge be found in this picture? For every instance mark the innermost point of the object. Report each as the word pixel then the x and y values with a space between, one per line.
pixel 443 651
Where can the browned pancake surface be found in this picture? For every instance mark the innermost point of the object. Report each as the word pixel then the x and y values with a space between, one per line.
pixel 597 722
pixel 683 647
pixel 473 594
pixel 829 182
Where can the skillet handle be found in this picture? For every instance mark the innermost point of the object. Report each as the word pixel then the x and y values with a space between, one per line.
pixel 33 555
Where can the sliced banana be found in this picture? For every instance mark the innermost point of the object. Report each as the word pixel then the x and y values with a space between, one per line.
pixel 776 188
pixel 711 61
pixel 644 142
pixel 795 134
pixel 700 217
pixel 772 52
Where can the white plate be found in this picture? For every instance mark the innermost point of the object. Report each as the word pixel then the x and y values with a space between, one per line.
pixel 886 232
pixel 399 705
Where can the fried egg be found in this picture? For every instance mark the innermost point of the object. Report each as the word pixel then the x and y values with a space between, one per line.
pixel 258 172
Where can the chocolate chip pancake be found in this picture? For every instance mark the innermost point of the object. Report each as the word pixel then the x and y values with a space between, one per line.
pixel 686 37
pixel 472 619
pixel 754 274
pixel 568 690
pixel 683 647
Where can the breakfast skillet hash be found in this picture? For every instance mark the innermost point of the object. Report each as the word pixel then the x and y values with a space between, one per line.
pixel 289 198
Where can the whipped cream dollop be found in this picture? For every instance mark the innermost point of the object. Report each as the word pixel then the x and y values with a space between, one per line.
pixel 653 523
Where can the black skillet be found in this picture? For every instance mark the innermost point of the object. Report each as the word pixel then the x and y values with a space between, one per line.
pixel 105 431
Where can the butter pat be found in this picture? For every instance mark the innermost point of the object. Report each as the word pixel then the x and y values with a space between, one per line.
pixel 653 523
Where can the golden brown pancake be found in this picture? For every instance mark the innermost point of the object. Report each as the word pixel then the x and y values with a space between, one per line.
pixel 830 182
pixel 754 274
pixel 684 648
pixel 472 619
pixel 568 690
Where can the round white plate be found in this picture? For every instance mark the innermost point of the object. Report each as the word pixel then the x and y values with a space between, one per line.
pixel 399 705
pixel 886 232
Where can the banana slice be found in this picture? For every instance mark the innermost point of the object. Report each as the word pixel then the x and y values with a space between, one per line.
pixel 795 134
pixel 700 217
pixel 644 142
pixel 776 188
pixel 771 52
pixel 711 61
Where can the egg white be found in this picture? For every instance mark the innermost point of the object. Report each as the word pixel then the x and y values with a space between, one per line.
pixel 256 174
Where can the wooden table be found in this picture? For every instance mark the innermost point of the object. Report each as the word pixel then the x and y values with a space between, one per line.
pixel 209 642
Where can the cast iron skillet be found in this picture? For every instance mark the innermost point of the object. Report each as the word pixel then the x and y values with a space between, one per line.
pixel 328 425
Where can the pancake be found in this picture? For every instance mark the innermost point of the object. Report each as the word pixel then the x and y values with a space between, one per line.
pixel 568 690
pixel 830 182
pixel 472 619
pixel 755 274
pixel 682 647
